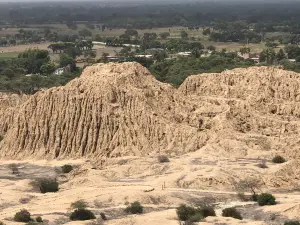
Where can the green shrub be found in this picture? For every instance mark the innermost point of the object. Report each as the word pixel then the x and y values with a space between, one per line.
pixel 266 199
pixel 207 211
pixel 278 159
pixel 254 197
pixel 39 219
pixel 232 212
pixel 82 214
pixel 47 185
pixel 163 159
pixel 80 204
pixel 192 214
pixel 67 168
pixel 292 223
pixel 135 208
pixel 22 216
pixel 185 212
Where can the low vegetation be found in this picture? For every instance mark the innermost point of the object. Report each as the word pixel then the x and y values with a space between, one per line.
pixel 80 204
pixel 82 214
pixel 232 212
pixel 46 185
pixel 22 216
pixel 292 223
pixel 135 208
pixel 163 159
pixel 67 168
pixel 39 219
pixel 278 159
pixel 266 199
pixel 191 214
pixel 1 138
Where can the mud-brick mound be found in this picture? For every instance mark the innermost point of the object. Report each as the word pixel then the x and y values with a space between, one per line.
pixel 111 110
pixel 121 109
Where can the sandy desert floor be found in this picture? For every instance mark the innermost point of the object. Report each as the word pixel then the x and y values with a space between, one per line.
pixel 108 187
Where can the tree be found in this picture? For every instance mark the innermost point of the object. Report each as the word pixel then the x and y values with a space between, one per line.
pixel 292 51
pixel 160 55
pixel 48 68
pixel 131 33
pixel 196 53
pixel 245 50
pixel 85 33
pixel 248 184
pixel 267 55
pixel 164 35
pixel 184 34
pixel 65 60
pixel 206 32
pixel 73 52
pixel 280 55
pixel 33 59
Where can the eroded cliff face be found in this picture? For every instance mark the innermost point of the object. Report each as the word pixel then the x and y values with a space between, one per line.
pixel 9 104
pixel 120 109
pixel 111 110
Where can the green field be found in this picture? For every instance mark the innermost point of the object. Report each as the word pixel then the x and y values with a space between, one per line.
pixel 8 55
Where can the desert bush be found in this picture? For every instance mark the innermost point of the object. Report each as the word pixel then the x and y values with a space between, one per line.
pixel 185 212
pixel 82 214
pixel 39 219
pixel 292 223
pixel 23 216
pixel 189 214
pixel 248 184
pixel 232 212
pixel 80 204
pixel 207 211
pixel 163 159
pixel 103 216
pixel 1 138
pixel 66 168
pixel 1 223
pixel 46 185
pixel 254 197
pixel 135 208
pixel 266 199
pixel 278 159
